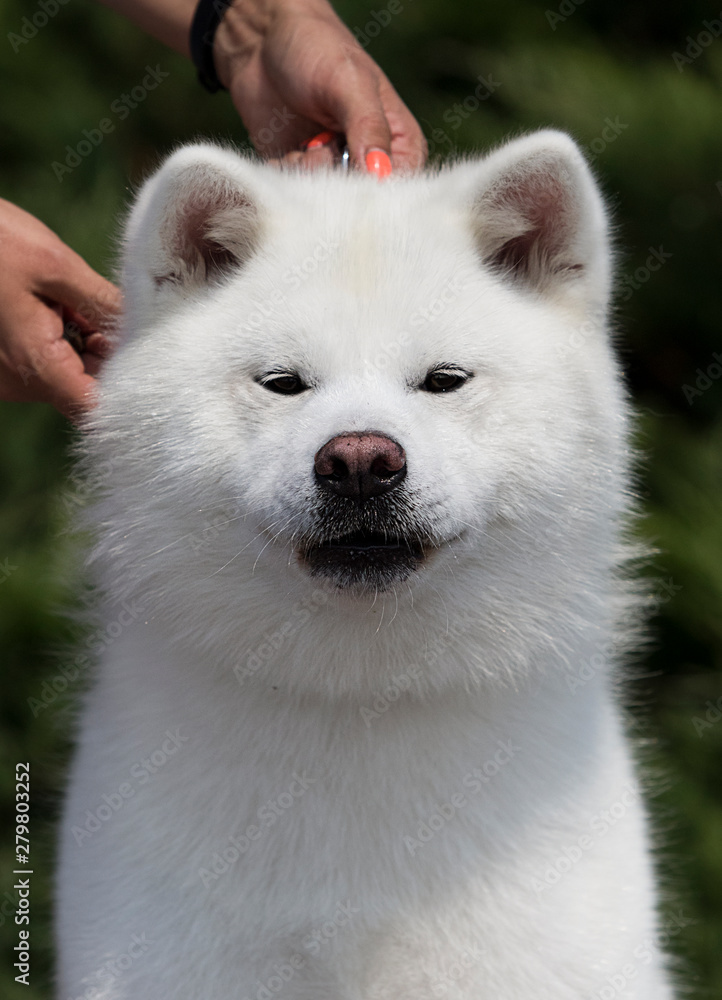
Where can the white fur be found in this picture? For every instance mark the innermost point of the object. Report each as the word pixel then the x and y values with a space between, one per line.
pixel 436 751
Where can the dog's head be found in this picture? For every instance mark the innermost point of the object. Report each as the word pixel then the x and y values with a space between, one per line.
pixel 400 388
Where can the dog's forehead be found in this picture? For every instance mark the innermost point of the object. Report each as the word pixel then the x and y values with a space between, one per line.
pixel 362 275
pixel 368 231
pixel 362 258
pixel 356 304
pixel 389 251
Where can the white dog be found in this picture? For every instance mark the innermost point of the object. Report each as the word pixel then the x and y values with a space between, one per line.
pixel 362 465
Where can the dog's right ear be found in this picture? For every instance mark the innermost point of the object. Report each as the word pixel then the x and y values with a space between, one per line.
pixel 196 221
pixel 537 218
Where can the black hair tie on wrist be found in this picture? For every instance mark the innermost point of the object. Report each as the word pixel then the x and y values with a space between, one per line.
pixel 208 15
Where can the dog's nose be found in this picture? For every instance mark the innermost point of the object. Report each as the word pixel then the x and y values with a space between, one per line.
pixel 360 465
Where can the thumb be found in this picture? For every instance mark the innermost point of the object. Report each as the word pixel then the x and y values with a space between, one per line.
pixel 66 384
pixel 60 372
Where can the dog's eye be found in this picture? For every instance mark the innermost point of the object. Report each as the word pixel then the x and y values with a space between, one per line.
pixel 444 380
pixel 283 383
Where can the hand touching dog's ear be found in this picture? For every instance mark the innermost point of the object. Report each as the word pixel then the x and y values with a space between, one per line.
pixel 292 69
pixel 44 285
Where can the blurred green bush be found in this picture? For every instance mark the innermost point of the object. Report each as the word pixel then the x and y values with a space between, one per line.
pixel 638 85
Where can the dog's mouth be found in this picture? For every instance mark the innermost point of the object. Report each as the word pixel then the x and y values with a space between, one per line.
pixel 367 559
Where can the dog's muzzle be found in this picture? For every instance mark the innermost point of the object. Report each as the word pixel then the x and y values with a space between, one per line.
pixel 365 538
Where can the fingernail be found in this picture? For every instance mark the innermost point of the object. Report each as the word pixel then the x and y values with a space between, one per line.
pixel 378 162
pixel 322 139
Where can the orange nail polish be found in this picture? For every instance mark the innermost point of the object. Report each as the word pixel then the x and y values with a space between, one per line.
pixel 322 139
pixel 378 162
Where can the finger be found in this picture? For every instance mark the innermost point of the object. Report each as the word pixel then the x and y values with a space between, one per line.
pixel 74 319
pixel 317 159
pixel 325 138
pixel 63 379
pixel 98 345
pixel 76 398
pixel 92 363
pixel 357 106
pixel 408 144
pixel 409 148
pixel 79 288
pixel 378 162
pixel 292 159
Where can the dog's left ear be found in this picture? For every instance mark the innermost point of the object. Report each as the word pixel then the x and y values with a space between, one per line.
pixel 197 220
pixel 538 219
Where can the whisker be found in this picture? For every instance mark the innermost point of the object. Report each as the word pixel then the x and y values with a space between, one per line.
pixel 271 540
pixel 383 611
pixel 258 535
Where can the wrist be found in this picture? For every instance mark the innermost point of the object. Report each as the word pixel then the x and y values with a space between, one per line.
pixel 239 35
pixel 245 26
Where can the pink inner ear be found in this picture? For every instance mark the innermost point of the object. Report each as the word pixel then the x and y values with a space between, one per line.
pixel 527 223
pixel 200 243
pixel 211 228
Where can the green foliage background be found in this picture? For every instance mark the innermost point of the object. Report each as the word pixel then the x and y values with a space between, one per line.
pixel 661 171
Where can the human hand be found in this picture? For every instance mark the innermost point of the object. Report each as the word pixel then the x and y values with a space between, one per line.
pixel 43 285
pixel 293 69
